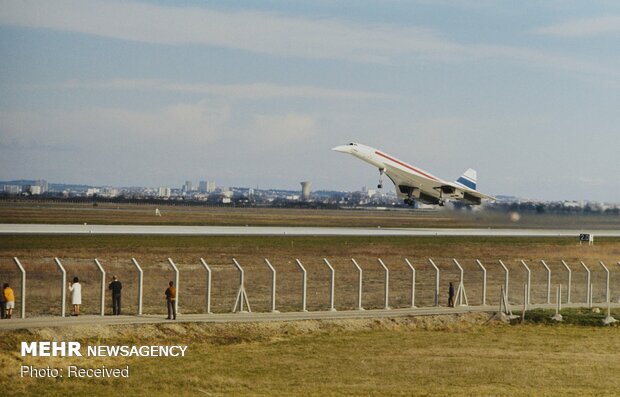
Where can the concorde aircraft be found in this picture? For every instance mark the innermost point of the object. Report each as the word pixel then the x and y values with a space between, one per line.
pixel 413 183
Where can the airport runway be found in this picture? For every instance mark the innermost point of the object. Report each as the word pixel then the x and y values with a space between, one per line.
pixel 47 322
pixel 289 231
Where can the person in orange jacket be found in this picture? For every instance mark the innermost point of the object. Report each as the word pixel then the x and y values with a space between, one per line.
pixel 9 297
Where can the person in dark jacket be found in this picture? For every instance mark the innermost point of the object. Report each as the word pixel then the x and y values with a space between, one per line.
pixel 451 296
pixel 116 287
pixel 171 297
pixel 2 305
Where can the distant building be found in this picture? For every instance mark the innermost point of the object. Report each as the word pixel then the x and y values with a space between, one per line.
pixel 202 186
pixel 305 190
pixel 12 189
pixel 109 192
pixel 92 191
pixel 188 187
pixel 571 204
pixel 42 183
pixel 164 192
pixel 210 187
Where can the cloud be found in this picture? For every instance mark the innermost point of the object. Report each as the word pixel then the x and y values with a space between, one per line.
pixel 287 36
pixel 587 27
pixel 266 33
pixel 112 128
pixel 283 130
pixel 232 91
pixel 590 181
pixel 322 38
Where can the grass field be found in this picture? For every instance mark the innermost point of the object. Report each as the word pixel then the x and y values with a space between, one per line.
pixel 106 213
pixel 442 355
pixel 446 355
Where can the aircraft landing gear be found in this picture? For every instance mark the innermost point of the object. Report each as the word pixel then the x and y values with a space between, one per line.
pixel 381 171
pixel 441 202
pixel 410 202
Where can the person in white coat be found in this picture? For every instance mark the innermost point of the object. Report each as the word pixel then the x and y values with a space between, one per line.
pixel 76 295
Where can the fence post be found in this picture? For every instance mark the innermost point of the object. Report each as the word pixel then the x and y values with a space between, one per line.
pixel 23 286
pixel 526 292
pixel 609 318
pixel 506 278
pixel 304 288
pixel 529 282
pixel 359 285
pixel 140 284
pixel 460 292
pixel 241 295
pixel 569 281
pixel 548 281
pixel 588 287
pixel 436 282
pixel 386 292
pixel 63 292
pixel 331 284
pixel 273 286
pixel 208 269
pixel 607 297
pixel 176 283
pixel 412 282
pixel 558 316
pixel 484 283
pixel 102 286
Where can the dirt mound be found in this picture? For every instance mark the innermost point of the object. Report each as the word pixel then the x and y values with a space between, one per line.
pixel 232 333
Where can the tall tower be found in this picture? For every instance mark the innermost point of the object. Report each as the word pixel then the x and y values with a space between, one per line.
pixel 188 187
pixel 305 190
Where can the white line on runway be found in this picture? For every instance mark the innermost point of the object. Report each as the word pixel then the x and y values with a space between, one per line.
pixel 289 231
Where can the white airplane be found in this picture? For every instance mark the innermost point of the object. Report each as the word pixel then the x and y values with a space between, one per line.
pixel 415 184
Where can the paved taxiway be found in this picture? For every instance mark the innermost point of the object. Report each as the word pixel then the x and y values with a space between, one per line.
pixel 46 322
pixel 289 231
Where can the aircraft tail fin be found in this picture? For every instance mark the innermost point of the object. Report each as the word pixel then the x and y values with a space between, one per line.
pixel 468 179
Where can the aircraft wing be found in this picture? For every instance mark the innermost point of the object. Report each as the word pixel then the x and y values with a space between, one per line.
pixel 473 192
pixel 430 189
pixel 424 187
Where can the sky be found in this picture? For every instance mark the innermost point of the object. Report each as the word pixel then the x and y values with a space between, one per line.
pixel 255 94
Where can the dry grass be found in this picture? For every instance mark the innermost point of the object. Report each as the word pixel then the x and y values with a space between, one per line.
pixel 144 214
pixel 460 355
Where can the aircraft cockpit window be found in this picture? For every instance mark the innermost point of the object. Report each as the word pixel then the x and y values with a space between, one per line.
pixel 352 144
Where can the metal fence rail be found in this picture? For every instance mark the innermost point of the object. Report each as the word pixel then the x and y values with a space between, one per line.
pixel 350 286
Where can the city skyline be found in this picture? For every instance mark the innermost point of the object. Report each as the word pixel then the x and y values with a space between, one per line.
pixel 156 93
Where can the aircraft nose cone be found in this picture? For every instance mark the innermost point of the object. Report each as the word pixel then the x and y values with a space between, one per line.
pixel 342 149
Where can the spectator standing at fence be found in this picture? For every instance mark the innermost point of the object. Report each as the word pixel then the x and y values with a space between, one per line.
pixel 451 296
pixel 116 287
pixel 2 305
pixel 76 295
pixel 9 297
pixel 171 298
